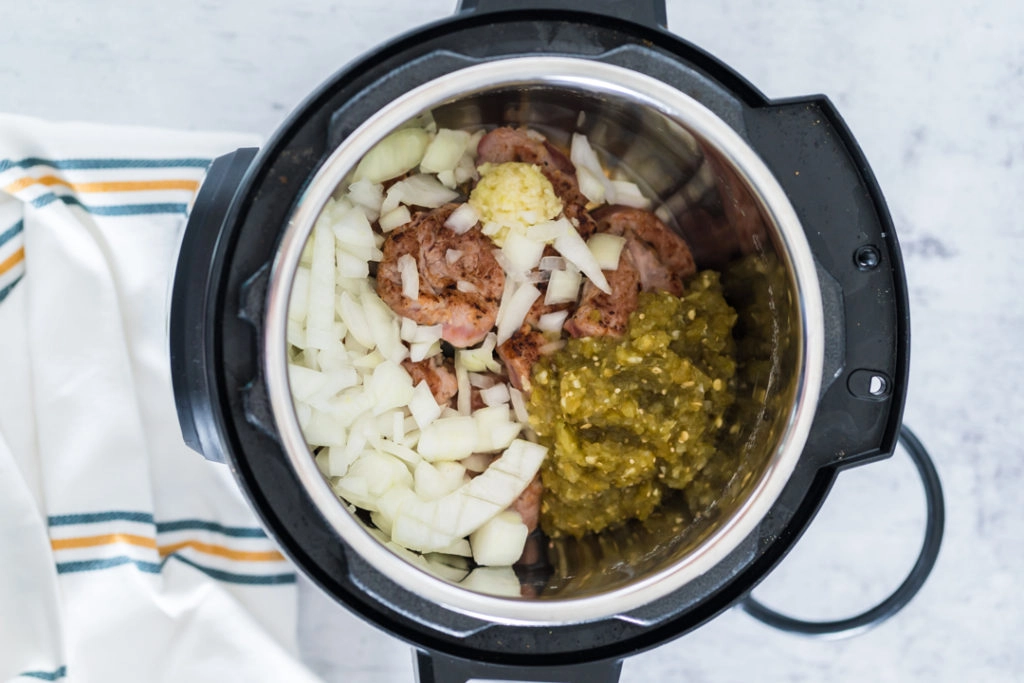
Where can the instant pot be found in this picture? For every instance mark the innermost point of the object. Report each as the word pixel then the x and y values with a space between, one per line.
pixel 774 194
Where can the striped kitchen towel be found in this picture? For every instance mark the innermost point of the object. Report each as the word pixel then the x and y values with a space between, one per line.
pixel 124 556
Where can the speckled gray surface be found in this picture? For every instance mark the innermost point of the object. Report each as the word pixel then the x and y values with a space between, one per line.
pixel 934 92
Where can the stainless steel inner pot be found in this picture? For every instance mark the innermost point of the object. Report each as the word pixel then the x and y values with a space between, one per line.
pixel 713 188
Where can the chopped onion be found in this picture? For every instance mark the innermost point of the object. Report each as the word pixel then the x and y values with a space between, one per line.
pixel 452 255
pixel 628 194
pixel 462 219
pixel 427 334
pixel 423 406
pixel 552 263
pixel 563 287
pixel 391 387
pixel 571 246
pixel 591 187
pixel 407 329
pixel 606 249
pixel 478 462
pixel 481 381
pixel 495 395
pixel 383 324
pixel 410 276
pixel 519 405
pixel 480 358
pixel 552 322
pixel 511 318
pixel 367 196
pixel 500 540
pixel 355 319
pixel 444 151
pixel 394 218
pixel 585 158
pixel 447 179
pixel 466 287
pixel 521 251
pixel 421 350
pixel 397 153
pixel 420 190
pixel 448 438
pixel 538 276
pixel 320 315
pixel 549 231
pixel 298 299
pixel 350 265
pixel 551 347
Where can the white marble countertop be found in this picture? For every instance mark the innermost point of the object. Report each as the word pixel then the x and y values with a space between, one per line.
pixel 933 91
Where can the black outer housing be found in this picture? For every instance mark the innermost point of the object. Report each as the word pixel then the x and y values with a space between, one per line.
pixel 219 298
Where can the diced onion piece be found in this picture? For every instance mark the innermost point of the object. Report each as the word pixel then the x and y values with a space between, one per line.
pixel 497 581
pixel 628 194
pixel 466 287
pixel 499 541
pixel 481 358
pixel 519 405
pixel 423 190
pixel 462 219
pixel 606 249
pixel 298 299
pixel 367 196
pixel 295 333
pixel 320 315
pixel 591 187
pixel 429 526
pixel 522 252
pixel 495 395
pixel 354 234
pixel 423 406
pixel 564 286
pixel 551 347
pixel 391 387
pixel 452 255
pixel 481 381
pixel 407 329
pixel 399 450
pixel 394 218
pixel 398 153
pixel 444 151
pixel 478 462
pixel 447 179
pixel 548 231
pixel 421 350
pixel 410 276
pixel 584 157
pixel 571 246
pixel 448 438
pixel 552 322
pixel 495 431
pixel 432 481
pixel 383 324
pixel 512 315
pixel 352 266
pixel 464 399
pixel 552 263
pixel 370 477
pixel 355 320
pixel 323 429
pixel 427 334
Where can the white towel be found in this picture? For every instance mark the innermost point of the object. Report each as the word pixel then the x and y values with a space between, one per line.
pixel 124 556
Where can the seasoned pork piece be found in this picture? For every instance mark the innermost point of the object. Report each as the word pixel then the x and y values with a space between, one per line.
pixel 466 316
pixel 510 144
pixel 528 503
pixel 654 259
pixel 439 374
pixel 662 257
pixel 519 352
pixel 601 314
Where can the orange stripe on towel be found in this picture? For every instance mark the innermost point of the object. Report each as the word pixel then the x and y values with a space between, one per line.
pixel 104 539
pixel 12 260
pixel 111 186
pixel 221 551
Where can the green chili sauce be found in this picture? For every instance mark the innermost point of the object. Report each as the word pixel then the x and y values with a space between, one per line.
pixel 630 419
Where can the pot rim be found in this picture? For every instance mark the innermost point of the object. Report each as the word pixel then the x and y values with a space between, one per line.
pixel 591 77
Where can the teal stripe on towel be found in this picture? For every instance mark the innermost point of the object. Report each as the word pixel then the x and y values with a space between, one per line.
pixel 95 164
pixel 54 675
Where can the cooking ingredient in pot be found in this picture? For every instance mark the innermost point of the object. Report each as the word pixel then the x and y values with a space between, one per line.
pixel 630 419
pixel 511 197
pixel 465 314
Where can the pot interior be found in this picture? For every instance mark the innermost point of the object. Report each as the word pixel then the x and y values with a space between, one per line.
pixel 707 194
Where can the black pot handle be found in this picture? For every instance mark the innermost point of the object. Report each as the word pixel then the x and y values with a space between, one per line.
pixel 191 325
pixel 435 667
pixel 648 12
pixel 934 524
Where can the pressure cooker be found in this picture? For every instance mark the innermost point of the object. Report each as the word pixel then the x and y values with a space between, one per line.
pixel 780 186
